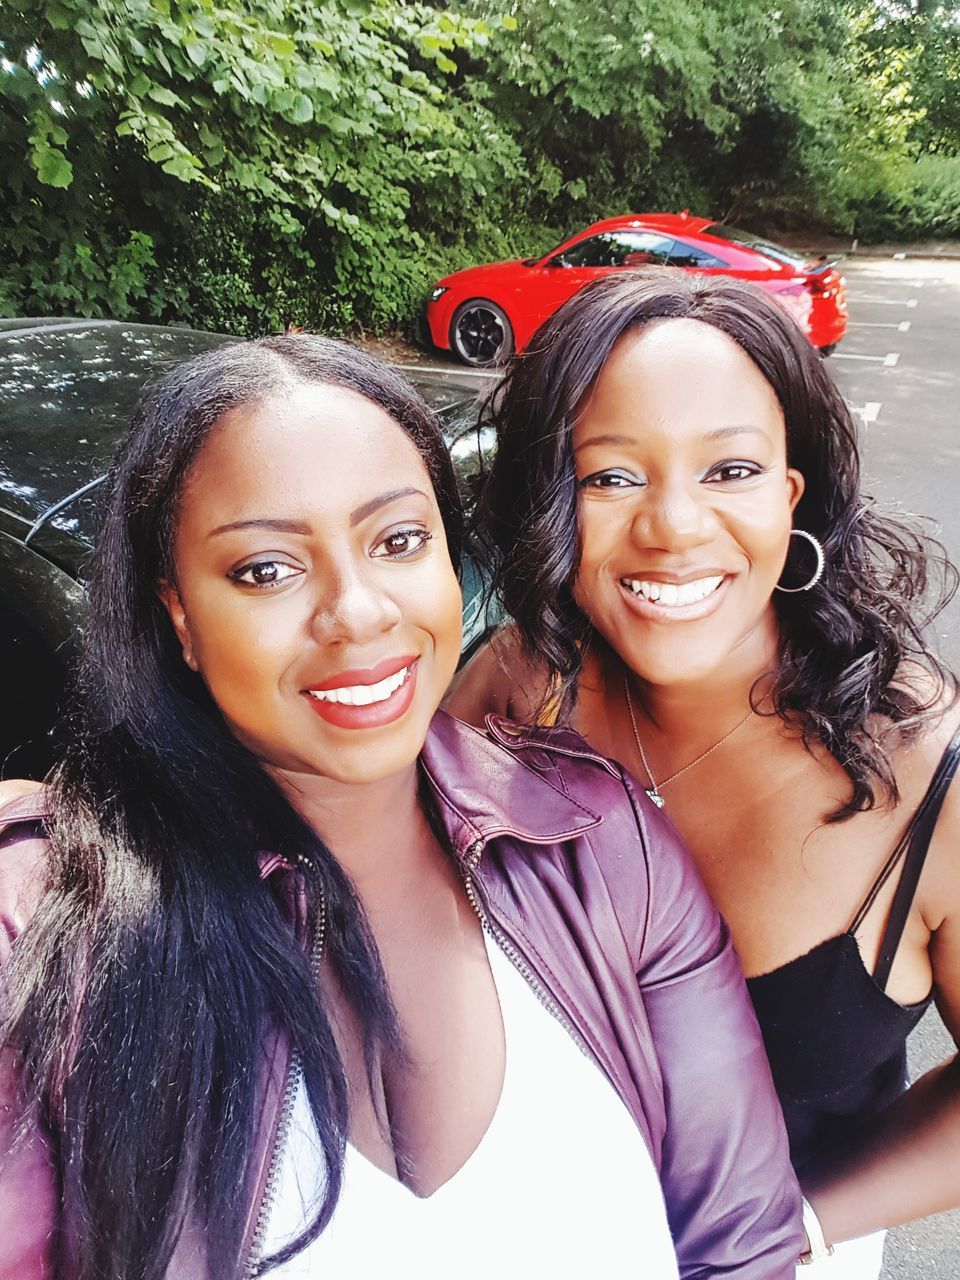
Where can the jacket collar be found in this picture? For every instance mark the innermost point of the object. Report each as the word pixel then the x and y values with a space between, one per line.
pixel 485 788
pixel 481 782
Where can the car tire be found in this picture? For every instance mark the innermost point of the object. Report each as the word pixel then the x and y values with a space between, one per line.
pixel 828 350
pixel 481 333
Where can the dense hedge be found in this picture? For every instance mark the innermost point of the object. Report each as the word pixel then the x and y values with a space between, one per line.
pixel 239 166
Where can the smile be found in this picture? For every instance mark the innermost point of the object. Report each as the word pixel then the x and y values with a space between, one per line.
pixel 673 594
pixel 363 695
pixel 367 699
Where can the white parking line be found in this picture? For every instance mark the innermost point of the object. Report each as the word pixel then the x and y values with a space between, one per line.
pixel 890 359
pixel 455 370
pixel 871 411
pixel 867 413
pixel 902 327
pixel 886 302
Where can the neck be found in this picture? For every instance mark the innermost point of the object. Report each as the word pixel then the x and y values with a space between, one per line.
pixel 378 831
pixel 703 708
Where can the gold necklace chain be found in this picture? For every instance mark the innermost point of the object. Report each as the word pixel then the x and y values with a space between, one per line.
pixel 653 791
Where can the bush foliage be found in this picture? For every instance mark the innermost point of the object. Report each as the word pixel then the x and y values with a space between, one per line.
pixel 241 166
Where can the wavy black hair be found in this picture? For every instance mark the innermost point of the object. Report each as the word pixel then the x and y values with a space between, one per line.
pixel 138 997
pixel 848 645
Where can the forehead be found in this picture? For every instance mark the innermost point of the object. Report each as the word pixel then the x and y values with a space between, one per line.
pixel 315 449
pixel 683 373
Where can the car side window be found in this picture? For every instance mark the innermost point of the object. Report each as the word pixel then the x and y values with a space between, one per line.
pixel 689 255
pixel 617 249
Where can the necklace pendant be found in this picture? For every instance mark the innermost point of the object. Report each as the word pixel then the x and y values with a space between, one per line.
pixel 655 796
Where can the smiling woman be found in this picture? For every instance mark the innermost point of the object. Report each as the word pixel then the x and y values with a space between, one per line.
pixel 699 586
pixel 300 975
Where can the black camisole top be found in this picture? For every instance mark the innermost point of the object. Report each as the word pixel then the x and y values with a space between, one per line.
pixel 836 1041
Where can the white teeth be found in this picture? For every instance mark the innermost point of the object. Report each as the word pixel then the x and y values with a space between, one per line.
pixel 362 695
pixel 673 593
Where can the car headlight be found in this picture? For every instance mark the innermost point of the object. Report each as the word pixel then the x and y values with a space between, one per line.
pixel 437 292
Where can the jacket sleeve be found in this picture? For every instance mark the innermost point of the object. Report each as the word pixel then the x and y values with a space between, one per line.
pixel 29 1195
pixel 732 1197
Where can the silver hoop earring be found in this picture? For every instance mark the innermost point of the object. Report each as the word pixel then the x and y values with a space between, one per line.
pixel 818 571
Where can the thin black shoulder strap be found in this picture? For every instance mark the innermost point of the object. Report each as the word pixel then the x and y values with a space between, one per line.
pixel 916 842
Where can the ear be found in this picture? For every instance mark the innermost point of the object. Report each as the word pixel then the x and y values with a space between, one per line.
pixel 169 597
pixel 795 487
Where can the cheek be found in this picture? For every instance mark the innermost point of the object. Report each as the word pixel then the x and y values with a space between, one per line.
pixel 764 535
pixel 445 623
pixel 240 651
pixel 600 537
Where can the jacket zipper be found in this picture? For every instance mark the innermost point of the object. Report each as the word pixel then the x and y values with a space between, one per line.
pixel 284 1120
pixel 515 957
pixel 252 1268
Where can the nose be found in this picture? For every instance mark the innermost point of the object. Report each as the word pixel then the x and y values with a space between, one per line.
pixel 674 516
pixel 354 606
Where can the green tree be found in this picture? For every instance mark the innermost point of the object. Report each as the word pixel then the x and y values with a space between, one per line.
pixel 234 164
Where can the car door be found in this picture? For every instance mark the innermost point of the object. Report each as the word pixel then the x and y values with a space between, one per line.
pixel 564 273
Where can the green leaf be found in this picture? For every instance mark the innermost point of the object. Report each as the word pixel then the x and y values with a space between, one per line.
pixel 166 99
pixel 140 85
pixel 282 45
pixel 196 51
pixel 301 111
pixel 60 17
pixel 508 22
pixel 446 64
pixel 53 168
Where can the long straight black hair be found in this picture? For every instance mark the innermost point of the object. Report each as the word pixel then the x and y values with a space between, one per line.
pixel 138 997
pixel 848 645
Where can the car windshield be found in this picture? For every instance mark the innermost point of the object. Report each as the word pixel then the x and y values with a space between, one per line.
pixel 735 236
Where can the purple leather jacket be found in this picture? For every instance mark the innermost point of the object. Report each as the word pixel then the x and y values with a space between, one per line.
pixel 589 891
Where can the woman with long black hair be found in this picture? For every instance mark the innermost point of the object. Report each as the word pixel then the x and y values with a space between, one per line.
pixel 699 586
pixel 302 977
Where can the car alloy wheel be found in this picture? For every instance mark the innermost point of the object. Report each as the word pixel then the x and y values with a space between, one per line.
pixel 480 333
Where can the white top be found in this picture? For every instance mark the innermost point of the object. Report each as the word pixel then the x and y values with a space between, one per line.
pixel 561 1184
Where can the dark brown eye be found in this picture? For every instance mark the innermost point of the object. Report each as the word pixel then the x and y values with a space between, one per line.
pixel 263 573
pixel 403 543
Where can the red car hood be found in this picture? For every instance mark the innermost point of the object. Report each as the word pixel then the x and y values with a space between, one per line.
pixel 489 273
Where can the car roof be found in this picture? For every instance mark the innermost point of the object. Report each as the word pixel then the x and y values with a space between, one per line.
pixel 674 223
pixel 68 388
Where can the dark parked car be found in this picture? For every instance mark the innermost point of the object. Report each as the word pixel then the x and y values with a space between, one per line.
pixel 67 391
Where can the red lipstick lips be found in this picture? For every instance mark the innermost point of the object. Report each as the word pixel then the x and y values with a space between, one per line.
pixel 366 698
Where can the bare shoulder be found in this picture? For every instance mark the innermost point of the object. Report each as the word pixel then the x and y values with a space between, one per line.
pixel 498 679
pixel 14 788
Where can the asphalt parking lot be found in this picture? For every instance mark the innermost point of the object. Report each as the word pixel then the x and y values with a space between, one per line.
pixel 899 366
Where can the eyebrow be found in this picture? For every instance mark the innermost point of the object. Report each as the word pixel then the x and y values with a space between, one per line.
pixel 278 526
pixel 304 530
pixel 721 433
pixel 368 508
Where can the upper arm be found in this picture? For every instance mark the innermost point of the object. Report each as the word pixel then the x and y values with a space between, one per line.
pixel 497 680
pixel 939 894
pixel 731 1193
pixel 14 788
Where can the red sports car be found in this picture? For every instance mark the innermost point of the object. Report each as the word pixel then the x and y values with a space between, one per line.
pixel 483 314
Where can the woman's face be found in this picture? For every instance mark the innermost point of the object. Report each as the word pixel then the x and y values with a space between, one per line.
pixel 314 591
pixel 685 504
